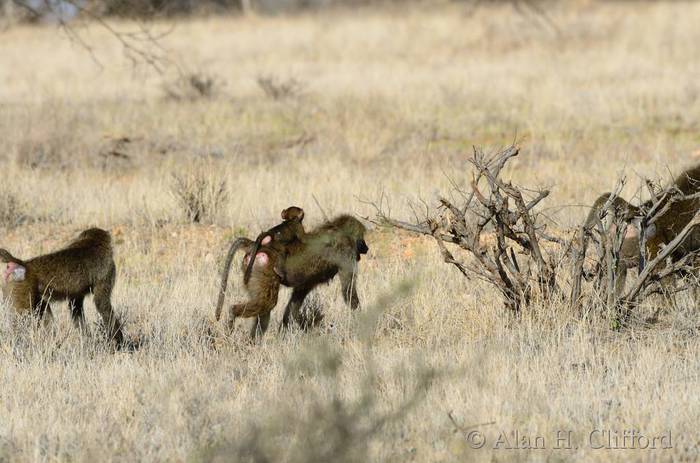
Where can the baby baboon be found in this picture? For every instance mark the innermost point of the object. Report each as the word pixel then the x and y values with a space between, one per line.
pixel 85 265
pixel 666 227
pixel 262 287
pixel 279 237
pixel 332 249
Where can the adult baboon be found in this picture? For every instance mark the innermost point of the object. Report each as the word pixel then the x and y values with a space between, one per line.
pixel 86 265
pixel 334 248
pixel 279 237
pixel 664 229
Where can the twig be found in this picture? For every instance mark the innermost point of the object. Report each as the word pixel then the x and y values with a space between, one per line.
pixel 318 204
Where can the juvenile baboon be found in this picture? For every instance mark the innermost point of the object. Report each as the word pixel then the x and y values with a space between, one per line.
pixel 665 228
pixel 86 265
pixel 279 237
pixel 262 287
pixel 332 249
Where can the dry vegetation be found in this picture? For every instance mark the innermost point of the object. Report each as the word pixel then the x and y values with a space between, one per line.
pixel 392 101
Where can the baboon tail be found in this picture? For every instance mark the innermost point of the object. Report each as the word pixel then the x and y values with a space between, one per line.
pixel 235 246
pixel 251 261
pixel 6 257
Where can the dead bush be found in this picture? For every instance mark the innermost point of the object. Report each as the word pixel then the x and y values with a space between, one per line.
pixel 193 86
pixel 499 226
pixel 200 193
pixel 11 210
pixel 493 222
pixel 280 89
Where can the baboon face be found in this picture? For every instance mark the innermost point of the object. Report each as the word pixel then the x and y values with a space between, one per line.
pixel 358 231
pixel 362 247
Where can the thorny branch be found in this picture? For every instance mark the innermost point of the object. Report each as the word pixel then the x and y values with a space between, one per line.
pixel 493 224
pixel 609 267
pixel 499 228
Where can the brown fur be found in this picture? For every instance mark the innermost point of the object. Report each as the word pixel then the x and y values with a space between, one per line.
pixel 332 249
pixel 665 228
pixel 279 237
pixel 262 287
pixel 85 265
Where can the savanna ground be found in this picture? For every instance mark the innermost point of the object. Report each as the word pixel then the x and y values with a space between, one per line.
pixel 388 101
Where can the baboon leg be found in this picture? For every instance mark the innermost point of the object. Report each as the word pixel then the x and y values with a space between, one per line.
pixel 77 313
pixel 348 284
pixel 260 326
pixel 620 280
pixel 252 308
pixel 232 316
pixel 103 293
pixel 292 311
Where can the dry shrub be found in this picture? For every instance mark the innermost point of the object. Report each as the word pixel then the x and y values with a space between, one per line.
pixel 200 193
pixel 44 152
pixel 193 86
pixel 280 89
pixel 11 210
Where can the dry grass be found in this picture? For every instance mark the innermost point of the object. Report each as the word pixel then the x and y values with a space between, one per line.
pixel 392 101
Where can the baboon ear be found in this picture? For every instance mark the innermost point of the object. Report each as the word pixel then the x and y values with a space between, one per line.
pixel 15 272
pixel 266 240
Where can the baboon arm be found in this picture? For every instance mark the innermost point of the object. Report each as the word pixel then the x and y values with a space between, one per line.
pixel 348 283
pixel 235 246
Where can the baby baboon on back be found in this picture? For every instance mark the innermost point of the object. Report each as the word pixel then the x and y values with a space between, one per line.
pixel 86 265
pixel 279 237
